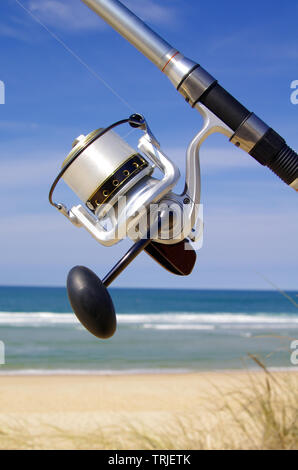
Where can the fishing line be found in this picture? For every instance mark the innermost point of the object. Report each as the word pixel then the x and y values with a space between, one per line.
pixel 76 56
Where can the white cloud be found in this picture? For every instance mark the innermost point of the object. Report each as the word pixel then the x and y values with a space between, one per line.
pixel 236 245
pixel 70 15
pixel 18 125
pixel 12 32
pixel 250 237
pixel 16 173
pixel 214 158
pixel 269 46
pixel 36 170
pixel 73 15
pixel 152 11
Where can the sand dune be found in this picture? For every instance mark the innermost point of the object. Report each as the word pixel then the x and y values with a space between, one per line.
pixel 161 411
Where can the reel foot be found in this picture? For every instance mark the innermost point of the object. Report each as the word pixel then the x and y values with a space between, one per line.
pixel 91 302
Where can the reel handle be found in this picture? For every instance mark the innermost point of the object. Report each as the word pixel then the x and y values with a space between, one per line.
pixel 91 302
pixel 89 297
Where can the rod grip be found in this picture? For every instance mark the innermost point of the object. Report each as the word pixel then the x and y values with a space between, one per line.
pixel 224 106
pixel 285 166
pixel 271 150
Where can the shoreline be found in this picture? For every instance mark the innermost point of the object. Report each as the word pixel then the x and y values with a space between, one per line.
pixel 136 372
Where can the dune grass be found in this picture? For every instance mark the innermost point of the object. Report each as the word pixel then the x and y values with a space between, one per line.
pixel 261 415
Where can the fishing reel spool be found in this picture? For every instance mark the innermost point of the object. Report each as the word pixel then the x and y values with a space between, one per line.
pixel 122 198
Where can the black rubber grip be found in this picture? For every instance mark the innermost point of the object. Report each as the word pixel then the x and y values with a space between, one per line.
pixel 272 151
pixel 224 106
pixel 285 165
pixel 268 147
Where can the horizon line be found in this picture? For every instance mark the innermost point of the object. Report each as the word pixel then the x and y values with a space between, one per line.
pixel 248 289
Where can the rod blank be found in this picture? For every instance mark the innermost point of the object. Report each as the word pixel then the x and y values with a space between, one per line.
pixel 134 30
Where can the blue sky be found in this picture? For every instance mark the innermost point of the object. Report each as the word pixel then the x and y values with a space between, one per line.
pixel 251 223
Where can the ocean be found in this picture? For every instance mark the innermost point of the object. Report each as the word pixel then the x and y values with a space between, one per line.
pixel 159 330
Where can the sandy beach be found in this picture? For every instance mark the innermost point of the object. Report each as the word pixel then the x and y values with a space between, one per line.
pixel 157 411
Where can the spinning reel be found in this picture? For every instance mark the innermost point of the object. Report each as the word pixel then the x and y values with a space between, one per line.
pixel 122 195
pixel 123 198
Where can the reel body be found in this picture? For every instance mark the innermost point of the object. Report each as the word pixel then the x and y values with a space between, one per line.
pixel 119 191
pixel 118 186
pixel 123 198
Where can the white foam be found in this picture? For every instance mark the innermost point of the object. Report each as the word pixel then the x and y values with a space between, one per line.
pixel 167 320
pixel 109 372
pixel 178 327
pixel 36 318
pixel 102 372
pixel 209 318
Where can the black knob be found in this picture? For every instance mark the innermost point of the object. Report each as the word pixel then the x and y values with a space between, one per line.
pixel 91 302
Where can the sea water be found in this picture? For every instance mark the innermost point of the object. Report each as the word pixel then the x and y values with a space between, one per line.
pixel 159 330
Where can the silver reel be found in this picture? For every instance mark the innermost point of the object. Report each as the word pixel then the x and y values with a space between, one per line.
pixel 123 198
pixel 120 194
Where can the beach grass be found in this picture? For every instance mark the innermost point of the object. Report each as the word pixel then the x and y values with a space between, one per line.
pixel 259 411
pixel 262 417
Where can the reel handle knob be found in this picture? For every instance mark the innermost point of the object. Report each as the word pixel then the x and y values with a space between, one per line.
pixel 91 302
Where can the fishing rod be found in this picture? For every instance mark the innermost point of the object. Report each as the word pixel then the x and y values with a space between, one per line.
pixel 122 194
pixel 198 87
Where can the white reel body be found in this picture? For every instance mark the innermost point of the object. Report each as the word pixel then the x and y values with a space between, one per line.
pixel 114 181
pixel 107 168
pixel 120 193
